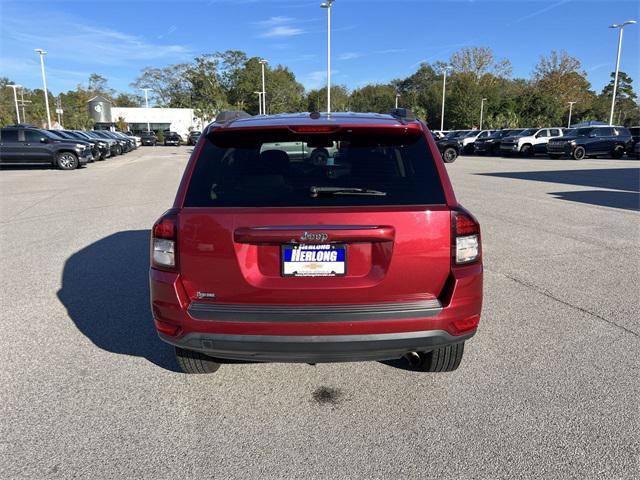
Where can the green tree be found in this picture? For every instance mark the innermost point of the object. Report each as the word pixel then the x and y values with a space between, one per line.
pixel 316 100
pixel 373 98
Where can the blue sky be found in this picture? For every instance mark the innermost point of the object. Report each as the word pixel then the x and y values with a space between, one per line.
pixel 373 40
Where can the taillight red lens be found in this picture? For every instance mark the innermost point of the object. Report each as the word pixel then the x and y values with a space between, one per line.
pixel 465 238
pixel 165 228
pixel 466 225
pixel 163 242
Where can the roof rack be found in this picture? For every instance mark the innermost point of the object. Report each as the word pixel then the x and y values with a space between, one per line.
pixel 403 114
pixel 230 115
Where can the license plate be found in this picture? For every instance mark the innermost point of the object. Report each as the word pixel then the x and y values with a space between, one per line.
pixel 314 260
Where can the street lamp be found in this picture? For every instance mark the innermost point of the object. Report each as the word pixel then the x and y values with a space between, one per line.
pixel 42 53
pixel 615 81
pixel 482 110
pixel 146 105
pixel 327 5
pixel 263 62
pixel 15 99
pixel 259 102
pixel 397 97
pixel 444 89
pixel 570 110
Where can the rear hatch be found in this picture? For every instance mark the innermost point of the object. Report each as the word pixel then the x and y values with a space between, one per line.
pixel 354 216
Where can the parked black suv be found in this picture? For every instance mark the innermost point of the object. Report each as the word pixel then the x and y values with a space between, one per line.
pixel 591 141
pixel 450 145
pixel 193 137
pixel 172 138
pixel 149 138
pixel 491 144
pixel 92 144
pixel 34 146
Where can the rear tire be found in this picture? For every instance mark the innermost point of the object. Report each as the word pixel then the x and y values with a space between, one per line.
pixel 579 153
pixel 449 155
pixel 191 361
pixel 443 359
pixel 618 152
pixel 66 161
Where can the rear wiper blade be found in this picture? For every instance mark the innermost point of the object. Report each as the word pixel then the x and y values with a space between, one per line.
pixel 316 191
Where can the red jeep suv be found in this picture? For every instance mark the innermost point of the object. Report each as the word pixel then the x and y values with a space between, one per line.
pixel 315 238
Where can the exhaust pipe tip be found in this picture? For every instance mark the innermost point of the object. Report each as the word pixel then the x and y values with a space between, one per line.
pixel 413 358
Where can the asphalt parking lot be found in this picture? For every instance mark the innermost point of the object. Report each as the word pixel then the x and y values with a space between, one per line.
pixel 548 388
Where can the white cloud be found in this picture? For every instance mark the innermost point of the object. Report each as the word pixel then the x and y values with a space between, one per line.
pixel 86 43
pixel 317 79
pixel 279 20
pixel 349 56
pixel 283 31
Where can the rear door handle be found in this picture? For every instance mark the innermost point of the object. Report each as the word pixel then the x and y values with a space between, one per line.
pixel 314 234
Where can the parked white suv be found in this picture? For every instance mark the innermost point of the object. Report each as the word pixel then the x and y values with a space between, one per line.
pixel 529 142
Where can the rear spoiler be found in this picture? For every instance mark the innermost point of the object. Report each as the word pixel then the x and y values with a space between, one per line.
pixel 226 116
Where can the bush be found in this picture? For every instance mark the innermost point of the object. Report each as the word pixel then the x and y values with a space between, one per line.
pixel 160 136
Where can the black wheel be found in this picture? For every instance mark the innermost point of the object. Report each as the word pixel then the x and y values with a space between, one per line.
pixel 526 150
pixel 618 152
pixel 319 157
pixel 118 150
pixel 67 161
pixel 449 155
pixel 579 153
pixel 554 156
pixel 195 362
pixel 443 359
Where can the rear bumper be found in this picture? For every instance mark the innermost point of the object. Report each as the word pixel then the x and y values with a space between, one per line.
pixel 315 349
pixel 316 333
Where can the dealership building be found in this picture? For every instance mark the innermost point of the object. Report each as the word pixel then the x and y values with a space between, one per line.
pixel 180 120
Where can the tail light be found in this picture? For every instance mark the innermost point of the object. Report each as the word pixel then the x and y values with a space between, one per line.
pixel 163 241
pixel 465 238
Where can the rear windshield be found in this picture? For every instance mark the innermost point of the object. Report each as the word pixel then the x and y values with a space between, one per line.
pixel 279 168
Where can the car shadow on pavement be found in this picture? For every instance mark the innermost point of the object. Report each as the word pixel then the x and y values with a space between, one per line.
pixel 622 184
pixel 105 289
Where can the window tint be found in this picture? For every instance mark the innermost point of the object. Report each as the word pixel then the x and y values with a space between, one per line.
pixel 542 134
pixel 555 132
pixel 32 136
pixel 622 131
pixel 604 132
pixel 9 136
pixel 278 169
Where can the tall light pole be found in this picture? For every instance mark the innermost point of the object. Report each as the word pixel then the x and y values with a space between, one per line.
pixel 259 102
pixel 263 62
pixel 327 5
pixel 570 110
pixel 24 116
pixel 15 99
pixel 482 110
pixel 615 81
pixel 42 53
pixel 397 97
pixel 444 89
pixel 146 105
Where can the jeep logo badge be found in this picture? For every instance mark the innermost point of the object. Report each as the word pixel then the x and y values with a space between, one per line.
pixel 313 237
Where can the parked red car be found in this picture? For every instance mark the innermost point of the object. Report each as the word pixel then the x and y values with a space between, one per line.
pixel 268 255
